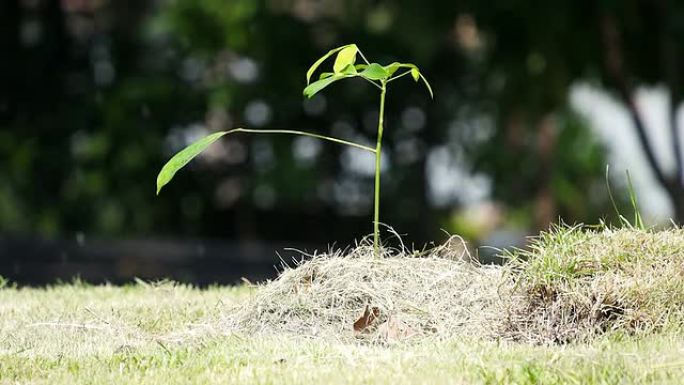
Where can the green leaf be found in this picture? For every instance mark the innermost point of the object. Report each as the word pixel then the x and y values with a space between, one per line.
pixel 415 74
pixel 349 70
pixel 346 57
pixel 394 67
pixel 375 71
pixel 313 88
pixel 183 157
pixel 325 75
pixel 318 62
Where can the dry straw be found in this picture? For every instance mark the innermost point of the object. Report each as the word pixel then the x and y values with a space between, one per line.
pixel 441 294
pixel 569 285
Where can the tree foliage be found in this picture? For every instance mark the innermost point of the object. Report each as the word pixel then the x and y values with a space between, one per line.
pixel 87 100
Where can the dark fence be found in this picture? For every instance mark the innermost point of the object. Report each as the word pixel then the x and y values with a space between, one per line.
pixel 31 261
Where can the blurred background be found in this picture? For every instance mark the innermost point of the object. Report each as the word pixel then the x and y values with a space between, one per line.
pixel 533 99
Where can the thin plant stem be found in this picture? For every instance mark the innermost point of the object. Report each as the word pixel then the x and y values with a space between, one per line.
pixel 363 56
pixel 302 133
pixel 378 152
pixel 373 83
pixel 399 76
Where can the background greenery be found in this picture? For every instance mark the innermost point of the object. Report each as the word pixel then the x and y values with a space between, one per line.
pixel 95 95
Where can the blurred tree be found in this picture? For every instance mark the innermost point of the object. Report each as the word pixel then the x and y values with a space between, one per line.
pixel 96 94
pixel 540 49
pixel 466 61
pixel 640 43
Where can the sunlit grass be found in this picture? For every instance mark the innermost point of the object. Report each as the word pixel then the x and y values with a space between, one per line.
pixel 575 283
pixel 172 334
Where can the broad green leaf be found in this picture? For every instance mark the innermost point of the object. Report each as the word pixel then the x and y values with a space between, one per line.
pixel 415 74
pixel 360 67
pixel 318 62
pixel 346 57
pixel 313 88
pixel 183 157
pixel 349 70
pixel 392 68
pixel 375 71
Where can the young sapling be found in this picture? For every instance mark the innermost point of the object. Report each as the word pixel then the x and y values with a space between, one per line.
pixel 344 67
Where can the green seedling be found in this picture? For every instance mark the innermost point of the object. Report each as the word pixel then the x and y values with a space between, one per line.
pixel 344 67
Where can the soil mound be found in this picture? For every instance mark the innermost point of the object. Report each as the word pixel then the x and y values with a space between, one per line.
pixel 395 297
pixel 568 285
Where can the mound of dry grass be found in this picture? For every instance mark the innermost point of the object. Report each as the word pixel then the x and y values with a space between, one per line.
pixel 396 297
pixel 569 285
pixel 573 285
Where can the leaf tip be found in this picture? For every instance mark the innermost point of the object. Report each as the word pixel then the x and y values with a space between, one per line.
pixel 160 184
pixel 415 74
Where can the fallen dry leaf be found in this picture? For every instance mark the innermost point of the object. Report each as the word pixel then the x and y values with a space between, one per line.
pixel 395 329
pixel 369 315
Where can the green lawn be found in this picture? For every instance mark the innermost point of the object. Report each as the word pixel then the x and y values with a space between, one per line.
pixel 171 334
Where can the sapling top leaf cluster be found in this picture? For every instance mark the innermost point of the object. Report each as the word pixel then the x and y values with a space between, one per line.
pixel 345 66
